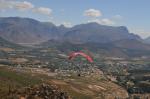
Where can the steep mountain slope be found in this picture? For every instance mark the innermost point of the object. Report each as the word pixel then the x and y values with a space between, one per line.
pixel 93 32
pixel 26 30
pixel 6 44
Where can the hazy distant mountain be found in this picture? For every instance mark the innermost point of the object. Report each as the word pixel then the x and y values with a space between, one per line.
pixel 102 39
pixel 26 30
pixel 147 40
pixel 93 32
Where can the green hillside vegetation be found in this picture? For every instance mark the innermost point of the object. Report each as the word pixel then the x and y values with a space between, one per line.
pixel 11 80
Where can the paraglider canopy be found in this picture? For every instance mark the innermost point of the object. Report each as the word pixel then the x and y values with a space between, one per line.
pixel 75 54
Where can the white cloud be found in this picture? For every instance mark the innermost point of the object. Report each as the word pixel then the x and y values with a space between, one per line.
pixel 23 5
pixel 104 21
pixel 117 17
pixel 6 4
pixel 67 24
pixel 43 10
pixel 107 21
pixel 92 13
pixel 12 4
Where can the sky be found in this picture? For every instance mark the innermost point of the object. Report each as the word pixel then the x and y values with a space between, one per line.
pixel 134 14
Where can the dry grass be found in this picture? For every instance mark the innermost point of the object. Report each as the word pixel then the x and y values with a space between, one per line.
pixel 6 49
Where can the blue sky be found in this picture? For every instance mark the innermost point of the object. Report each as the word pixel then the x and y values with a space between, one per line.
pixel 134 14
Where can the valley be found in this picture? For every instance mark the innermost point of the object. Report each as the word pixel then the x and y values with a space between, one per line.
pixel 28 61
pixel 125 77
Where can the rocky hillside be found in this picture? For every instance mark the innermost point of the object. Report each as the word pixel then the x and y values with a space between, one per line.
pixel 43 91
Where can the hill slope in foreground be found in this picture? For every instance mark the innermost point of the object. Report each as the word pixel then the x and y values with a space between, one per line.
pixel 17 84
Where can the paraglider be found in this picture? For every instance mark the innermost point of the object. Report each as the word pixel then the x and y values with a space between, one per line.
pixel 75 54
pixel 80 53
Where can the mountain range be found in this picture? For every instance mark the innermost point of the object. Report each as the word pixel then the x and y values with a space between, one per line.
pixel 26 30
pixel 110 40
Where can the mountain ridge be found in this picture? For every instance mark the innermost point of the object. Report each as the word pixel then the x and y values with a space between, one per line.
pixel 27 30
